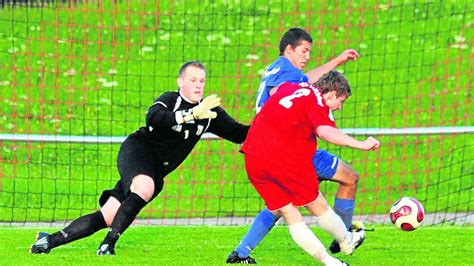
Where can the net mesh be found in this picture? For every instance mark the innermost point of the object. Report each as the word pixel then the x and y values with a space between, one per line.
pixel 86 68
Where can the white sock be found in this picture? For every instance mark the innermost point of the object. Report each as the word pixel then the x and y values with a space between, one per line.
pixel 332 223
pixel 305 238
pixel 330 260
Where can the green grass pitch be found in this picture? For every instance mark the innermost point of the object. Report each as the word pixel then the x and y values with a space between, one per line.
pixel 202 245
pixel 415 71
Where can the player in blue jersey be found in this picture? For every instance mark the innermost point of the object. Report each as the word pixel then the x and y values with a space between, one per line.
pixel 295 48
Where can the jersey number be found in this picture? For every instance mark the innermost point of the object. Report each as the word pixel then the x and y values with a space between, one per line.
pixel 287 101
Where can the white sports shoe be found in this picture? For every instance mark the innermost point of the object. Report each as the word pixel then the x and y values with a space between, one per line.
pixel 358 237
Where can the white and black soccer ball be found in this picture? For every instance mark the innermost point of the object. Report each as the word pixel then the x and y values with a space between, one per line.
pixel 407 214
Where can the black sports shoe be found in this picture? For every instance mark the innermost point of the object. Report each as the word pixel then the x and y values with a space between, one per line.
pixel 356 226
pixel 41 246
pixel 334 247
pixel 105 249
pixel 235 259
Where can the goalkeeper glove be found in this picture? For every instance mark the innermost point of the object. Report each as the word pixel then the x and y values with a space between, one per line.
pixel 203 110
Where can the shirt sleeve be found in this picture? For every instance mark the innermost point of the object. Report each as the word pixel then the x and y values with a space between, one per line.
pixel 304 78
pixel 161 114
pixel 319 113
pixel 226 127
pixel 262 97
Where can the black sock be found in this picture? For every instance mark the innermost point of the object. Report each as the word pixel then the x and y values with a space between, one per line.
pixel 127 212
pixel 81 227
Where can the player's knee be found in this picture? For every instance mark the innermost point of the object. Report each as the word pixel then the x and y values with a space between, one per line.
pixel 143 186
pixel 350 176
pixel 145 194
pixel 353 178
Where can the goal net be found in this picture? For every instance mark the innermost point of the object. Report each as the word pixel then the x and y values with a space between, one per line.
pixel 77 77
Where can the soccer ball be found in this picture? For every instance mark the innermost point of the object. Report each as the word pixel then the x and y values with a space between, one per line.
pixel 407 214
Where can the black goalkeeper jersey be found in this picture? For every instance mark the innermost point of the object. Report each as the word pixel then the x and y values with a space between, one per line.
pixel 171 143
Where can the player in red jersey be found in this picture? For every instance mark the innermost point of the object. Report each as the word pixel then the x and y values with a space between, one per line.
pixel 278 155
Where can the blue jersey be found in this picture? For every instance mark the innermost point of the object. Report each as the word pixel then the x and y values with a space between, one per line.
pixel 282 70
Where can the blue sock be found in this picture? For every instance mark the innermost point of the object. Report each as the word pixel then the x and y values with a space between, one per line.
pixel 262 224
pixel 345 209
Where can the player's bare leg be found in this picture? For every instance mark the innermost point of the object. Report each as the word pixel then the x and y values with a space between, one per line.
pixel 348 179
pixel 109 210
pixel 142 189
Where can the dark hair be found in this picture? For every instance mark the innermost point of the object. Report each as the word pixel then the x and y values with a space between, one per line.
pixel 333 81
pixel 183 68
pixel 294 37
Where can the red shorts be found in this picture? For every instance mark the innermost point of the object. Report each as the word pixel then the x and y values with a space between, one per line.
pixel 280 185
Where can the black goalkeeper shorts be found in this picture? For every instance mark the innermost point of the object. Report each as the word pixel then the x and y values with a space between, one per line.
pixel 135 157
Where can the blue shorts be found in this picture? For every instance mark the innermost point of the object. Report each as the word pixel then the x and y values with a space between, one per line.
pixel 325 164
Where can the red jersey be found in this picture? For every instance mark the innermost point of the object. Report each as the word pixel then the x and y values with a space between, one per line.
pixel 284 131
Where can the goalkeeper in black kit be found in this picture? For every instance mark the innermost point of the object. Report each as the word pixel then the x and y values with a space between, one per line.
pixel 174 124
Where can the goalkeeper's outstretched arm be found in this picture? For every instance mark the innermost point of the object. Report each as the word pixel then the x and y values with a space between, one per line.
pixel 226 127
